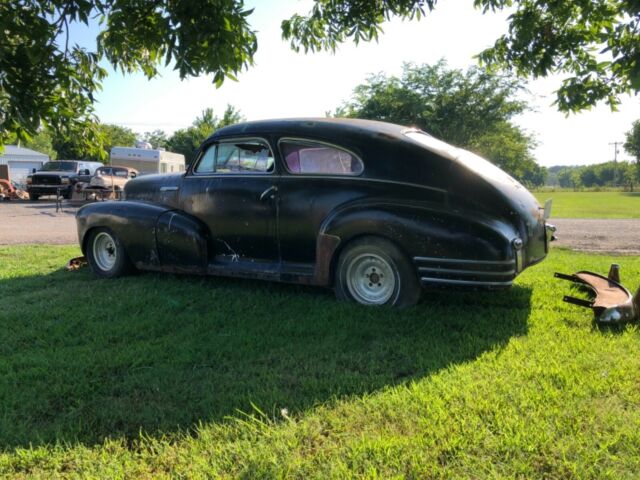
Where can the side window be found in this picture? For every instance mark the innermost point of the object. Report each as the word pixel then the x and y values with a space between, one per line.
pixel 302 157
pixel 207 161
pixel 244 156
pixel 238 156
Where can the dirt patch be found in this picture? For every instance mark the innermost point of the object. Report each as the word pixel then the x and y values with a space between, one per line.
pixel 615 236
pixel 37 222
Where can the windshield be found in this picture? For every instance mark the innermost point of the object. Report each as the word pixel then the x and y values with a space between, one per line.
pixel 59 167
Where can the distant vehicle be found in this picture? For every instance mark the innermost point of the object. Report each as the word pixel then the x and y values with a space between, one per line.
pixel 145 160
pixel 112 177
pixel 60 175
pixel 376 211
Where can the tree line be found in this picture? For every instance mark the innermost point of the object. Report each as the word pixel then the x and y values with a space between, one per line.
pixel 473 109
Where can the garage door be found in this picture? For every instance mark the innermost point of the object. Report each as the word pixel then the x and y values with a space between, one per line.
pixel 19 170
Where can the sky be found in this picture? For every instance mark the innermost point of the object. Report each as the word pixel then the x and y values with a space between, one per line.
pixel 283 83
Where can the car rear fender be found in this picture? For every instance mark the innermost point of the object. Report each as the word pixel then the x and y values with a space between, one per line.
pixel 424 231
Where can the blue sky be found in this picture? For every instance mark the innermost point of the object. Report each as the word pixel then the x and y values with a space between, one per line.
pixel 284 83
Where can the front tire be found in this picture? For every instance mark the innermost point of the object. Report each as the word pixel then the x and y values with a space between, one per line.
pixel 33 196
pixel 106 255
pixel 373 271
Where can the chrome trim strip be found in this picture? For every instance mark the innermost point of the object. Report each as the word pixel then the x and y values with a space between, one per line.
pixel 168 189
pixel 465 282
pixel 460 260
pixel 467 272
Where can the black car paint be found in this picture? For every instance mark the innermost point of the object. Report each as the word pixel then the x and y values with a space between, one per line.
pixel 456 225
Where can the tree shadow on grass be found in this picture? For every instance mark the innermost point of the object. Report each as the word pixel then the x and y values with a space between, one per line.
pixel 82 359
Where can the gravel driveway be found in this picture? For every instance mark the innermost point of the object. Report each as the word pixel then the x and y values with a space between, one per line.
pixel 38 222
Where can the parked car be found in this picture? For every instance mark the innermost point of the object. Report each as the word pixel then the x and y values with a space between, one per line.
pixel 374 210
pixel 60 175
pixel 115 178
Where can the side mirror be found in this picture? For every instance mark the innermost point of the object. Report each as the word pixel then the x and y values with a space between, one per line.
pixel 86 172
pixel 33 170
pixel 133 175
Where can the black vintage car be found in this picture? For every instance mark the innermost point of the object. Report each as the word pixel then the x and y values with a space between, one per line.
pixel 375 210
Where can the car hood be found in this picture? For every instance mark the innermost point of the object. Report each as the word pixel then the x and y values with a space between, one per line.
pixel 156 188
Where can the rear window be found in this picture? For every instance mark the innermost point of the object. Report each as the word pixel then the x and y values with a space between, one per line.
pixel 304 157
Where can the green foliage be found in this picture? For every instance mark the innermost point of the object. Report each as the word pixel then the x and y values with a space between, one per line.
pixel 46 80
pixel 109 136
pixel 41 142
pixel 608 174
pixel 157 138
pixel 632 143
pixel 148 377
pixel 187 140
pixel 594 43
pixel 470 109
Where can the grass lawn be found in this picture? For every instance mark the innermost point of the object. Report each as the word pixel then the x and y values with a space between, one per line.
pixel 568 204
pixel 160 375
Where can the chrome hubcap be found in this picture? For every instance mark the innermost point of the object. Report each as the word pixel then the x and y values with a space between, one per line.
pixel 370 279
pixel 104 251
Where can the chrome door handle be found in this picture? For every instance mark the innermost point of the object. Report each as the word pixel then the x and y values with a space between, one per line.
pixel 269 193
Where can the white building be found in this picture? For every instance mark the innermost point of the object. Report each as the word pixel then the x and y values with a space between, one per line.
pixel 21 162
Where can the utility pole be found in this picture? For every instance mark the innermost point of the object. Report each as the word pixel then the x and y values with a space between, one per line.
pixel 615 160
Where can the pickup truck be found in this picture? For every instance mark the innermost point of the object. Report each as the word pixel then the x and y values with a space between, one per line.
pixel 60 175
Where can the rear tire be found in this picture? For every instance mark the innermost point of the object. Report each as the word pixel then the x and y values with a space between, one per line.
pixel 34 196
pixel 373 271
pixel 106 255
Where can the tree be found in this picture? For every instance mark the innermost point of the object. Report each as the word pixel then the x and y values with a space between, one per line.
pixel 594 43
pixel 157 138
pixel 470 109
pixel 109 136
pixel 40 142
pixel 48 80
pixel 632 143
pixel 187 140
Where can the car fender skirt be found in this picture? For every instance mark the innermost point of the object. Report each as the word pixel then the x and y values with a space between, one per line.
pixel 182 243
pixel 133 222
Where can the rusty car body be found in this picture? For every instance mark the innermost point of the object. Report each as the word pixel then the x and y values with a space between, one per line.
pixel 112 177
pixel 376 211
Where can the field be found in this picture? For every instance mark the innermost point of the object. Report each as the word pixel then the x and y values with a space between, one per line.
pixel 152 376
pixel 568 204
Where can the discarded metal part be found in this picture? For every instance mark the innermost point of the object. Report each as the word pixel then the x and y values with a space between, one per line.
pixel 10 192
pixel 614 272
pixel 76 263
pixel 612 303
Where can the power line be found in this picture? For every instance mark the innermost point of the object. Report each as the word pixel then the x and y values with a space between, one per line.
pixel 615 160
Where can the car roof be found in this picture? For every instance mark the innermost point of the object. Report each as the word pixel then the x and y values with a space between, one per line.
pixel 313 126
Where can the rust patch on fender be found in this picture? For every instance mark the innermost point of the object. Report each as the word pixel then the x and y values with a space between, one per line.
pixel 326 246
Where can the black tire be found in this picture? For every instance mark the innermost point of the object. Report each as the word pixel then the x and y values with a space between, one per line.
pixel 33 196
pixel 68 194
pixel 360 274
pixel 106 254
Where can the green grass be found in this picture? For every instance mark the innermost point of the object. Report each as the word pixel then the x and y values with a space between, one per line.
pixel 568 204
pixel 160 375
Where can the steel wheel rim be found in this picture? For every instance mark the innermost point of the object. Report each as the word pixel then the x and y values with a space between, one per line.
pixel 105 252
pixel 371 279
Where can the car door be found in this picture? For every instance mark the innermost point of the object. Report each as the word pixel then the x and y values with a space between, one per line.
pixel 232 189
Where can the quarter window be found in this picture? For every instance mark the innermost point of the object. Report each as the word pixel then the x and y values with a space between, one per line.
pixel 241 156
pixel 302 157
